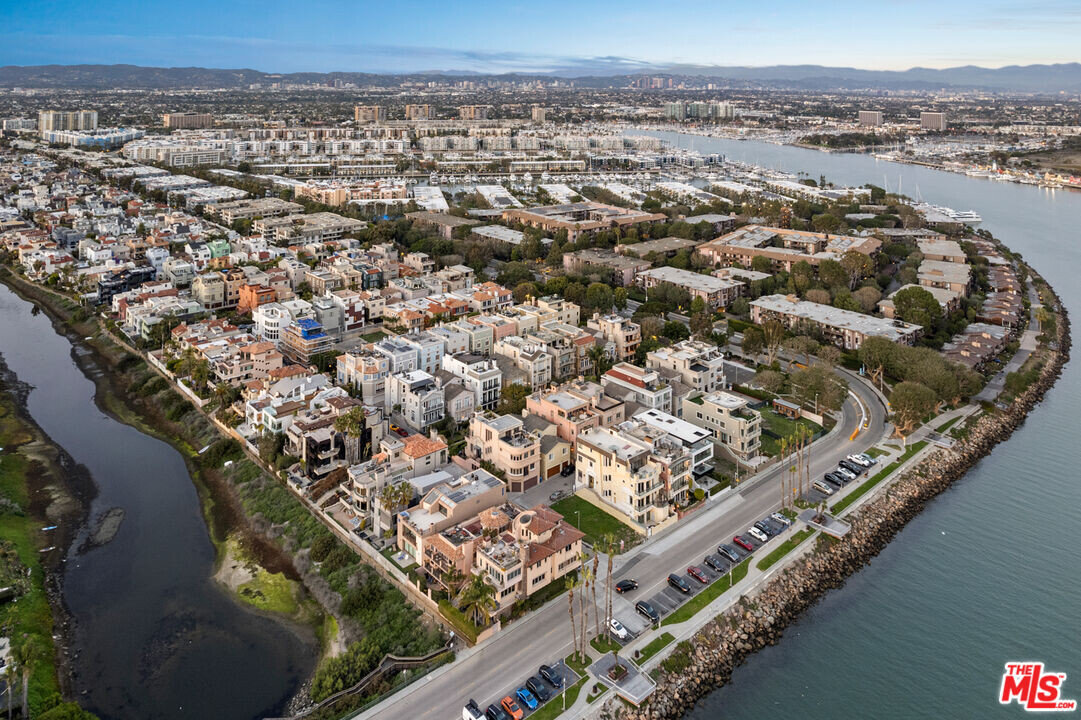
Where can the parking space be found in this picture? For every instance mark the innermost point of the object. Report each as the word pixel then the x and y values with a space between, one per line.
pixel 569 678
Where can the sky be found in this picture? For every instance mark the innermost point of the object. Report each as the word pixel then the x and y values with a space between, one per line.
pixel 566 36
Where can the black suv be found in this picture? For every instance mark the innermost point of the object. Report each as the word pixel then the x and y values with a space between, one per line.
pixel 644 608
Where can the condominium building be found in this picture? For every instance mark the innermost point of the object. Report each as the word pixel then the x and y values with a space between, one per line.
pixel 782 247
pixel 870 118
pixel 933 121
pixel 640 473
pixel 366 370
pixel 580 218
pixel 700 365
pixel 417 397
pixel 473 112
pixel 624 334
pixel 640 385
pixel 447 505
pixel 366 114
pixel 842 327
pixel 251 209
pixel 944 275
pixel 303 338
pixel 534 364
pixel 403 358
pixel 537 114
pixel 503 441
pixel 314 227
pixel 575 407
pixel 418 112
pixel 696 440
pixel 187 120
pixel 716 292
pixel 50 120
pixel 479 375
pixel 728 418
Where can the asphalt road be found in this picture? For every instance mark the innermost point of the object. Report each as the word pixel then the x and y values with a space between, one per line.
pixel 489 672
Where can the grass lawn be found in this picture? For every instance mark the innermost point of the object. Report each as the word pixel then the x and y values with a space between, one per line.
pixel 691 608
pixel 594 522
pixel 554 707
pixel 374 336
pixel 603 645
pixel 946 425
pixel 659 643
pixel 270 591
pixel 876 452
pixel 782 426
pixel 462 624
pixel 881 475
pixel 578 667
pixel 784 548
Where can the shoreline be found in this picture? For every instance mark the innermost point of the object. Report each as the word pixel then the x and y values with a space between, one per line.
pixel 710 656
pixel 220 507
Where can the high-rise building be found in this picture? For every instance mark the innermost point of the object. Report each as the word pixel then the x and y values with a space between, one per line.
pixel 537 114
pixel 188 120
pixel 473 112
pixel 49 120
pixel 418 112
pixel 871 118
pixel 675 111
pixel 363 114
pixel 933 120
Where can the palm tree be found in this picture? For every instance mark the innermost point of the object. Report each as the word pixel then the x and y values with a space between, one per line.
pixel 596 567
pixel 571 582
pixel 599 358
pixel 351 424
pixel 453 578
pixel 10 673
pixel 478 600
pixel 200 372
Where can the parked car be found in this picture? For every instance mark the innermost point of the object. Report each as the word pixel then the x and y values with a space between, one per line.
pixel 823 487
pixel 552 675
pixel 494 712
pixel 781 519
pixel 757 534
pixel 729 552
pixel 624 586
pixel 471 711
pixel 539 688
pixel 846 472
pixel 854 467
pixel 567 470
pixel 526 698
pixel 716 563
pixel 697 574
pixel 645 609
pixel 395 429
pixel 859 460
pixel 767 528
pixel 678 583
pixel 511 707
pixel 871 460
pixel 618 629
pixel 742 543
pixel 833 479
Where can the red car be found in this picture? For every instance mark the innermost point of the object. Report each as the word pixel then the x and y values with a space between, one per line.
pixel 742 543
pixel 697 574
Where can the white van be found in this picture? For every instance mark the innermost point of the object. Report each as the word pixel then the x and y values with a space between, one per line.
pixel 758 534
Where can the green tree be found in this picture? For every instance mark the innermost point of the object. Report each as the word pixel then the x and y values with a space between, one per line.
pixel 832 274
pixel 477 600
pixel 910 403
pixel 513 273
pixel 761 264
pixel 918 306
pixel 702 324
pixel 868 298
pixel 698 305
pixel 857 265
pixel 675 331
pixel 876 354
pixel 740 306
pixel 523 291
pixel 819 387
pixel 599 295
pixel 512 399
pixel 619 298
pixel 753 341
pixel 599 359
pixel 772 337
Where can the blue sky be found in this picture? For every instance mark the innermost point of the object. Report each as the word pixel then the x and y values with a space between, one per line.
pixel 537 35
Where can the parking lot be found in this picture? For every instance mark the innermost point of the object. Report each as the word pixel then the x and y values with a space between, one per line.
pixel 569 678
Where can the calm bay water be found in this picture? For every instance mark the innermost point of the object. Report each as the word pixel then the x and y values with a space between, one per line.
pixel 154 636
pixel 990 572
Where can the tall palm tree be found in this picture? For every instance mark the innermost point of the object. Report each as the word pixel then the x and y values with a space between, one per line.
pixel 478 600
pixel 351 424
pixel 10 673
pixel 599 358
pixel 571 583
pixel 596 567
pixel 583 606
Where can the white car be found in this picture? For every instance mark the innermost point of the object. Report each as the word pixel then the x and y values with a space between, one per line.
pixel 781 519
pixel 859 460
pixel 758 534
pixel 822 487
pixel 846 472
pixel 618 630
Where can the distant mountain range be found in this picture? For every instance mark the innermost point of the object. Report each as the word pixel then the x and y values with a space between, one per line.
pixel 1042 79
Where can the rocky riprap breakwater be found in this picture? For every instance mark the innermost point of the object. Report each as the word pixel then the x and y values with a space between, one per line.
pixel 759 620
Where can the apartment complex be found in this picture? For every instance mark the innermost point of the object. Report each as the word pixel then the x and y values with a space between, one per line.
pixel 56 120
pixel 473 112
pixel 624 335
pixel 575 407
pixel 640 472
pixel 503 441
pixel 314 227
pixel 699 365
pixel 842 327
pixel 255 208
pixel 933 121
pixel 782 247
pixel 367 114
pixel 418 112
pixel 639 385
pixel 716 292
pixel 870 118
pixel 479 375
pixel 730 421
pixel 416 396
pixel 187 120
pixel 580 218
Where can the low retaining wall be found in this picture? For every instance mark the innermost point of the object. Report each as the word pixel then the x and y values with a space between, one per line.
pixel 726 641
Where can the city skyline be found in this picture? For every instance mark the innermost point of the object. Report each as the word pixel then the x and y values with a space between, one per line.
pixel 559 37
